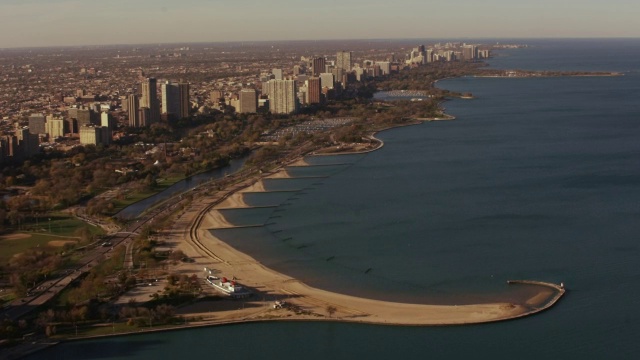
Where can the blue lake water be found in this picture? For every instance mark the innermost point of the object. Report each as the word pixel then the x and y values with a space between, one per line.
pixel 536 179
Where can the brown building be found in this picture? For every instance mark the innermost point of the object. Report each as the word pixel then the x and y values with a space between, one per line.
pixel 248 101
pixel 318 65
pixel 314 91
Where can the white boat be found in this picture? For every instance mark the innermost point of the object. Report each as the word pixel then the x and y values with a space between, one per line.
pixel 228 287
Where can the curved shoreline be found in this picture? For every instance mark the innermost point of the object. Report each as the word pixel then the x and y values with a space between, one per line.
pixel 348 308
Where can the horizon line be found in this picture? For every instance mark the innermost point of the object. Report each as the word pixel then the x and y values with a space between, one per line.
pixel 315 40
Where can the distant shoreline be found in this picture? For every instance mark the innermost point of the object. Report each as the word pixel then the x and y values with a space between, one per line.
pixel 544 74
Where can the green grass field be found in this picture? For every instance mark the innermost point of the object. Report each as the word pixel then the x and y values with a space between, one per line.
pixel 60 228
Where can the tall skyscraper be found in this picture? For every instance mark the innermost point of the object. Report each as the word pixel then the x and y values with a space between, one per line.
pixel 338 75
pixel 326 80
pixel 314 90
pixel 28 144
pixel 170 99
pixel 343 60
pixel 429 54
pixel 248 101
pixel 282 96
pixel 90 134
pixel 385 67
pixel 54 127
pixel 185 102
pixel 175 99
pixel 144 117
pixel 318 66
pixel 149 100
pixel 469 52
pixel 277 73
pixel 36 124
pixel 418 55
pixel 133 106
pixel 107 124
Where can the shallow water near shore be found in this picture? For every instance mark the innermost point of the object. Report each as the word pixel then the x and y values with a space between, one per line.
pixel 536 179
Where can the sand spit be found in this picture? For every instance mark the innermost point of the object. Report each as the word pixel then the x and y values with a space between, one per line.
pixel 233 202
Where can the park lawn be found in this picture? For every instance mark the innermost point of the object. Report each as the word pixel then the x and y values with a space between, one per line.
pixel 63 228
pixel 10 247
pixel 65 225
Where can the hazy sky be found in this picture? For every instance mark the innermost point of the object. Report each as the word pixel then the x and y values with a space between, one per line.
pixel 88 22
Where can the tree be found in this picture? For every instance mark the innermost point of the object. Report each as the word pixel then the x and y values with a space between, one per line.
pixel 331 310
pixel 176 256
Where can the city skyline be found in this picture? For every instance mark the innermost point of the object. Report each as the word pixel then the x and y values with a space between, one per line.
pixel 38 23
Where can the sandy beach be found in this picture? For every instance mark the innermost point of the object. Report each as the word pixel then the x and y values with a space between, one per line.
pixel 312 303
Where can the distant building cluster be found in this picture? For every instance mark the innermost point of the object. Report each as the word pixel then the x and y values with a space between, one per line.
pixel 107 101
pixel 446 52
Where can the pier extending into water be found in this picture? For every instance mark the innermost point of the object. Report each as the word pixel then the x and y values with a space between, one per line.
pixel 558 289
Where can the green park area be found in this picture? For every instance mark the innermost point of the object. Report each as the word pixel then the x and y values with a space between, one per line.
pixel 49 232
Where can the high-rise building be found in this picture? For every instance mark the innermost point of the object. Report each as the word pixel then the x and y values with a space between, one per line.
pixel 55 127
pixel 149 99
pixel 318 65
pixel 4 150
pixel 144 117
pixel 343 60
pixel 418 55
pixel 185 102
pixel 107 123
pixel 326 80
pixel 170 99
pixel 469 52
pixel 338 75
pixel 314 90
pixel 248 101
pixel 89 135
pixel 277 74
pixel 385 67
pixel 361 73
pixel 36 124
pixel 133 107
pixel 9 147
pixel 282 96
pixel 94 135
pixel 28 144
pixel 175 100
